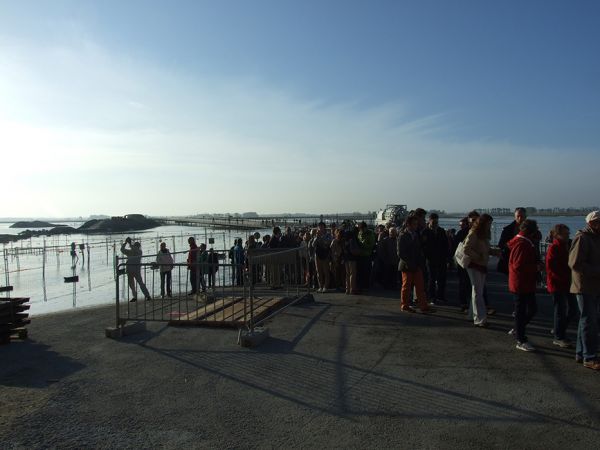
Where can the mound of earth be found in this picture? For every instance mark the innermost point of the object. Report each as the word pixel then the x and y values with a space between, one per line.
pixel 33 224
pixel 118 225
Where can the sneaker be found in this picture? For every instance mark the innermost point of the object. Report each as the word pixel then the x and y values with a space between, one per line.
pixel 525 346
pixel 562 343
pixel 512 332
pixel 484 324
pixel 594 364
pixel 148 298
pixel 133 300
pixel 408 309
pixel 491 311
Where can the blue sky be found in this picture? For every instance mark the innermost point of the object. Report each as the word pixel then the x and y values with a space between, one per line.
pixel 271 106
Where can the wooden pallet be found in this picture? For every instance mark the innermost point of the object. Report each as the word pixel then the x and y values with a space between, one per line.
pixel 13 318
pixel 228 314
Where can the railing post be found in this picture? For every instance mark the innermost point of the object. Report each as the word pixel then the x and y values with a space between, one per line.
pixel 117 313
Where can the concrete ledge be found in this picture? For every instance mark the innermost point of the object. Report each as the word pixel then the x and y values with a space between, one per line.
pixel 253 339
pixel 125 330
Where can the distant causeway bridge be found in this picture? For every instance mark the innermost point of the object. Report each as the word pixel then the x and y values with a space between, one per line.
pixel 261 222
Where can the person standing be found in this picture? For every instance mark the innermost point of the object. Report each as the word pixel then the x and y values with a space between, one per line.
pixel 337 261
pixel 523 266
pixel 411 262
pixel 390 256
pixel 464 283
pixel 239 261
pixel 558 282
pixel 134 267
pixel 584 261
pixel 202 266
pixel 508 233
pixel 213 267
pixel 436 256
pixel 350 254
pixel 477 248
pixel 164 260
pixel 322 246
pixel 366 242
pixel 192 265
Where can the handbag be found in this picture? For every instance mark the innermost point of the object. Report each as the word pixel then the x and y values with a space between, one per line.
pixel 461 258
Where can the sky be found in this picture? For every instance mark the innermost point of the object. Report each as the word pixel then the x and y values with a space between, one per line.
pixel 183 107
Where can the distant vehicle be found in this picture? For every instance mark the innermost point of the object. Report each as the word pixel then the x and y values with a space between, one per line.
pixel 391 214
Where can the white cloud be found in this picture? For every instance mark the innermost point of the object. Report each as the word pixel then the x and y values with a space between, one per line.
pixel 127 134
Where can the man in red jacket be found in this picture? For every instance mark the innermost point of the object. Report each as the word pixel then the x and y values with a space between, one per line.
pixel 558 280
pixel 523 266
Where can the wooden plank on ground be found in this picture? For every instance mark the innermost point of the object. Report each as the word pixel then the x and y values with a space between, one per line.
pixel 211 308
pixel 258 302
pixel 263 309
pixel 227 314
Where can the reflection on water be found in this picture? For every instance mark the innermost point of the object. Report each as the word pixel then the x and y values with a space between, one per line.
pixel 37 267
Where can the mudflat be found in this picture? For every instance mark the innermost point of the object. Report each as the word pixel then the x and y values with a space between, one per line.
pixel 343 372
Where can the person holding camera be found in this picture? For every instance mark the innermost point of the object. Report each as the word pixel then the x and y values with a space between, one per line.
pixel 133 268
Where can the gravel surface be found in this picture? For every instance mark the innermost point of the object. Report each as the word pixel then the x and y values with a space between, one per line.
pixel 343 372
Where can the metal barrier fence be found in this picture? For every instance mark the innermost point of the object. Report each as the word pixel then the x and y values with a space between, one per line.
pixel 227 294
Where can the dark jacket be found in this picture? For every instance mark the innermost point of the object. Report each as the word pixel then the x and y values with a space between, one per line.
pixel 558 273
pixel 522 265
pixel 410 253
pixel 435 245
pixel 508 233
pixel 350 249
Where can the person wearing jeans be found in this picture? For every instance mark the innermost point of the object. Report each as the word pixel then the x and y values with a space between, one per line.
pixel 584 261
pixel 558 281
pixel 523 266
pixel 587 331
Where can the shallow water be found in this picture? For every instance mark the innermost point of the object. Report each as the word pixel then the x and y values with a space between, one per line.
pixel 23 266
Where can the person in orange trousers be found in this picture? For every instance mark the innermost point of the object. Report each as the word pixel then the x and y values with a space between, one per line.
pixel 411 263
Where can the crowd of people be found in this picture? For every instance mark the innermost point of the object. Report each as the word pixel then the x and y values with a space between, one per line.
pixel 415 258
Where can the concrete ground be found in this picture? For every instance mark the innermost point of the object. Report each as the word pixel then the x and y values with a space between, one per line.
pixel 343 372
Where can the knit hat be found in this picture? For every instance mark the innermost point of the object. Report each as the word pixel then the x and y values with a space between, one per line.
pixel 593 216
